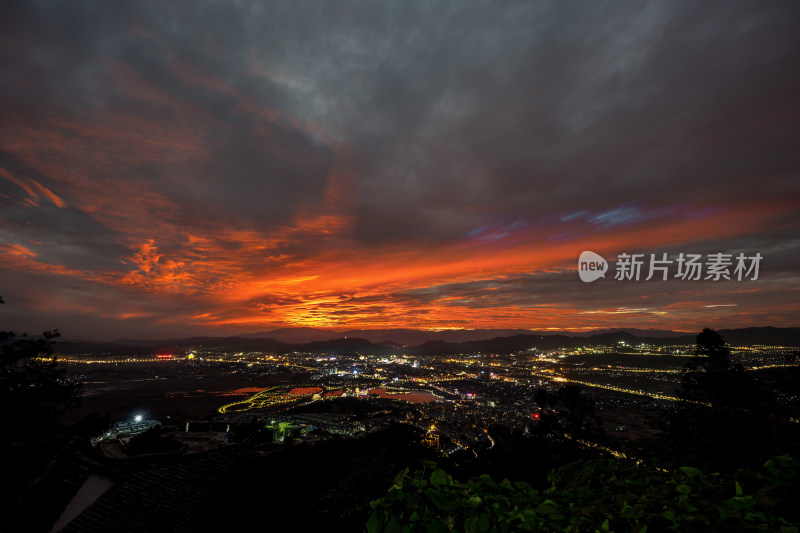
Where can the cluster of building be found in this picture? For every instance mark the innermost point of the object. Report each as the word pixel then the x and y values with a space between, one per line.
pixel 452 399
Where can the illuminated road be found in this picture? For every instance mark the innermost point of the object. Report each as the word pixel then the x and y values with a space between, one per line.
pixel 562 379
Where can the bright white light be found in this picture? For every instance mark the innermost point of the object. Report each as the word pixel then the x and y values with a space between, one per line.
pixel 138 418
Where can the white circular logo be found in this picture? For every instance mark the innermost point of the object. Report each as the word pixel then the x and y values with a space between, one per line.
pixel 591 266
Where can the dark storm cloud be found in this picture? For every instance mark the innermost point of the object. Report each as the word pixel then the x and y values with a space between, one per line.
pixel 60 235
pixel 136 131
pixel 459 110
pixel 72 238
pixel 254 169
pixel 465 110
pixel 39 302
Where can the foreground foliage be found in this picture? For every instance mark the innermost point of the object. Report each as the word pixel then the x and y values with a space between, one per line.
pixel 595 496
pixel 34 390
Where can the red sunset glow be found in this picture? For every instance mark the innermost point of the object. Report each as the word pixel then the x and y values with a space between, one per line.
pixel 229 187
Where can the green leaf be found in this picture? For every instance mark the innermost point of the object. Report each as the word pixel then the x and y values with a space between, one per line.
pixel 757 516
pixel 437 526
pixel 398 479
pixel 474 501
pixel 393 526
pixel 691 472
pixel 733 506
pixel 374 523
pixel 440 499
pixel 439 478
pixel 547 507
pixel 738 489
pixel 627 511
pixel 472 525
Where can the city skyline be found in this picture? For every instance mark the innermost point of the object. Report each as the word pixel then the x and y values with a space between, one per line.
pixel 211 169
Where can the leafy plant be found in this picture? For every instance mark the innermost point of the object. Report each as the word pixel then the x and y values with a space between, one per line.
pixel 33 388
pixel 595 496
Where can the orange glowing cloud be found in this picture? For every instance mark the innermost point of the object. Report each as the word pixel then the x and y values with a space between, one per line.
pixel 31 187
pixel 238 192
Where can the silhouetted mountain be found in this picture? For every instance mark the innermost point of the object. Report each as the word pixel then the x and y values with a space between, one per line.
pixel 231 344
pixel 412 337
pixel 173 346
pixel 402 337
pixel 764 335
pixel 345 345
pixel 660 333
pixel 99 348
pixel 184 341
pixel 299 335
pixel 390 344
pixel 498 344
pixel 399 337
pixel 748 336
pixel 514 343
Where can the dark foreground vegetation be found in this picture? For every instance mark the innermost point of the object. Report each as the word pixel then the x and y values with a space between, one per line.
pixel 597 495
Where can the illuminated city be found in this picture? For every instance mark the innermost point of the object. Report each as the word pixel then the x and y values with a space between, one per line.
pixel 461 395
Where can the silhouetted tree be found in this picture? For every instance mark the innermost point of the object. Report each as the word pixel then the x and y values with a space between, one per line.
pixel 578 412
pixel 713 351
pixel 33 389
pixel 567 408
pixel 711 377
pixel 735 428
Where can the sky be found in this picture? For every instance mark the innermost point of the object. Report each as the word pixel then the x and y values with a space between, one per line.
pixel 214 168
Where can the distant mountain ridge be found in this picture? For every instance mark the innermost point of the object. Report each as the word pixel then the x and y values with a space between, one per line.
pixel 413 337
pixel 348 344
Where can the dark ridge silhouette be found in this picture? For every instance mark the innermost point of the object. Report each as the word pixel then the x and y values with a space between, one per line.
pixel 412 337
pixel 514 343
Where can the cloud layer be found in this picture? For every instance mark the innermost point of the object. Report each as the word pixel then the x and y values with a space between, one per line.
pixel 218 167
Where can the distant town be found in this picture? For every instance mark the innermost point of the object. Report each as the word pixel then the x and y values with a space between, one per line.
pixel 453 399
